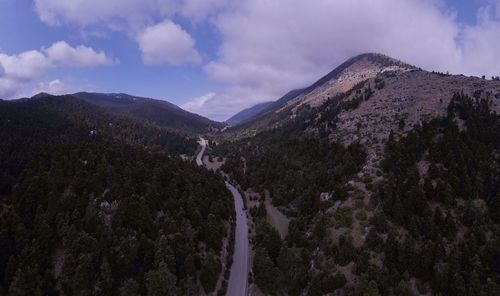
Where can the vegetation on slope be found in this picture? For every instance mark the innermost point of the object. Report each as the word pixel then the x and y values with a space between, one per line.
pixel 93 204
pixel 295 169
pixel 450 209
pixel 431 224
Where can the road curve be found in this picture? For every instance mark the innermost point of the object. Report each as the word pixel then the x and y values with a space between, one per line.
pixel 199 157
pixel 238 278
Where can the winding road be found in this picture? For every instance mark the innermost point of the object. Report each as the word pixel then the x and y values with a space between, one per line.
pixel 238 278
pixel 199 158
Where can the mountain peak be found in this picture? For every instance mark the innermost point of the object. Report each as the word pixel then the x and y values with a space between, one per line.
pixel 353 71
pixel 379 59
pixel 41 95
pixel 341 79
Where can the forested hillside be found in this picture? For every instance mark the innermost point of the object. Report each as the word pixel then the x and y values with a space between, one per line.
pixel 95 204
pixel 442 185
pixel 427 222
pixel 296 169
pixel 159 112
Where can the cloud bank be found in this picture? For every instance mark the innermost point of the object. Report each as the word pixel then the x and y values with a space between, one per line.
pixel 19 69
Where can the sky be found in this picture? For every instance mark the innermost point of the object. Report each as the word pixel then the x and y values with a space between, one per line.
pixel 216 57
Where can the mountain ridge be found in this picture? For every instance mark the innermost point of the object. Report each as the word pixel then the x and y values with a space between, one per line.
pixel 159 112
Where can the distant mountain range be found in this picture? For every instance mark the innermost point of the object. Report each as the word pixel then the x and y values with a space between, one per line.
pixel 159 112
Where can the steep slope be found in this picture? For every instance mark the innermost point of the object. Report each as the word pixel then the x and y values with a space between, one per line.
pixel 249 113
pixel 347 75
pixel 160 112
pixel 382 92
pixel 339 80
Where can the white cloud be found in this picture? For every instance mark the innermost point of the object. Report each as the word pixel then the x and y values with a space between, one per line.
pixel 124 14
pixel 198 10
pixel 119 14
pixel 481 43
pixel 306 41
pixel 161 43
pixel 167 43
pixel 54 87
pixel 196 104
pixel 79 56
pixel 2 70
pixel 22 68
pixel 8 87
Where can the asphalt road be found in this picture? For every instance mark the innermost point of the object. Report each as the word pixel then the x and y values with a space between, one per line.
pixel 199 157
pixel 238 278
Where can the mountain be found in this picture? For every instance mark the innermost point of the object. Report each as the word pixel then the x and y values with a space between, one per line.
pixel 249 113
pixel 392 85
pixel 341 79
pixel 160 112
pixel 379 179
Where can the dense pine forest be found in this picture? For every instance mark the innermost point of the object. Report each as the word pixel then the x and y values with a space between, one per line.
pixel 96 204
pixel 431 224
pixel 442 184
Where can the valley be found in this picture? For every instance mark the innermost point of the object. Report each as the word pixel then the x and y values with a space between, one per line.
pixel 378 179
pixel 249 148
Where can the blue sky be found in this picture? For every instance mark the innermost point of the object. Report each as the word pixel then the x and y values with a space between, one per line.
pixel 22 30
pixel 215 57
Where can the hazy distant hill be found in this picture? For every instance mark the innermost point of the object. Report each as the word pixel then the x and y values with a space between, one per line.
pixel 160 112
pixel 249 113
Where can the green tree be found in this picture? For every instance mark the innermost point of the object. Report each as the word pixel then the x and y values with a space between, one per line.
pixel 160 281
pixel 104 283
pixel 164 252
pixel 266 274
pixel 130 287
pixel 210 272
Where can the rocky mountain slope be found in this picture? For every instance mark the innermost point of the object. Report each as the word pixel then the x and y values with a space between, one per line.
pixel 396 83
pixel 341 79
pixel 379 94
